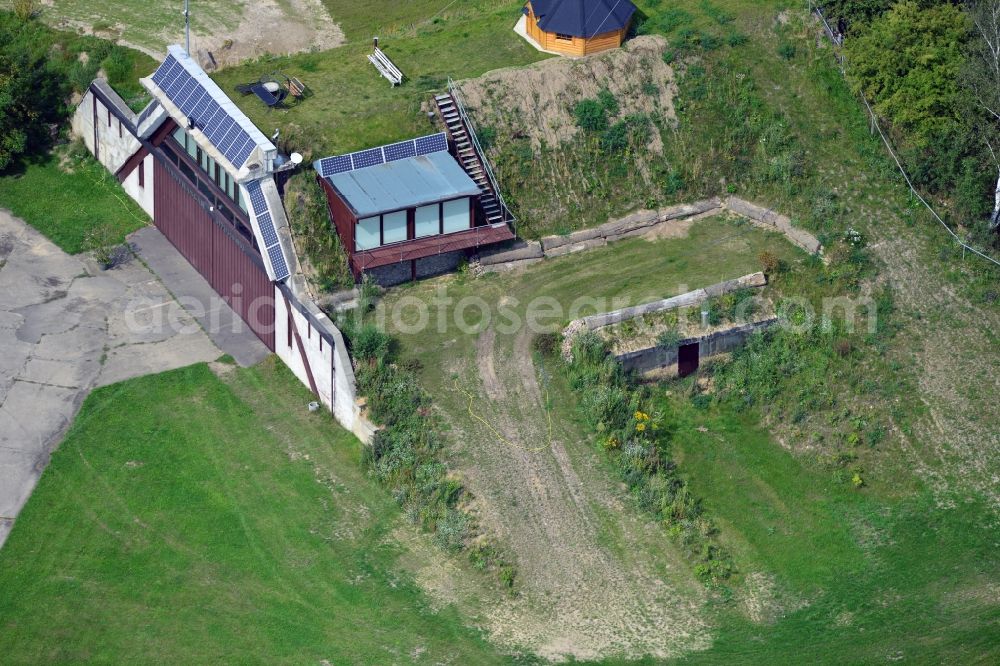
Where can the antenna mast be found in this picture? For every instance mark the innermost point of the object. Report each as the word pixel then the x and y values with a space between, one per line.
pixel 187 27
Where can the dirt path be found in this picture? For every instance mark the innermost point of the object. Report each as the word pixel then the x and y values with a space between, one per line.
pixel 957 446
pixel 595 580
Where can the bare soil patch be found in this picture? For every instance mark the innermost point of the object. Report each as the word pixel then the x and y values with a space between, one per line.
pixel 537 101
pixel 595 579
pixel 232 31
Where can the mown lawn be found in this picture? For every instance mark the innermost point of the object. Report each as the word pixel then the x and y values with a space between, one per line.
pixel 188 519
pixel 66 194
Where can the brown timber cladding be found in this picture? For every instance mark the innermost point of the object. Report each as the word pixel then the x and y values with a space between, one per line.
pixel 577 46
pixel 216 252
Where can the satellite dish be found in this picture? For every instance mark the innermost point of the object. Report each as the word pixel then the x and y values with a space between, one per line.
pixel 296 158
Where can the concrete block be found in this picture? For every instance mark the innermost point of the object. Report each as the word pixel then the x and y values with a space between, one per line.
pixel 524 250
pixel 577 247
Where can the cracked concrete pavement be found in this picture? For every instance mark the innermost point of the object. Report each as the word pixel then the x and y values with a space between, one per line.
pixel 66 326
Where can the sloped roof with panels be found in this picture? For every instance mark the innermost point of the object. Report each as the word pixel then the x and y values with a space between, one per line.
pixel 582 18
pixel 184 89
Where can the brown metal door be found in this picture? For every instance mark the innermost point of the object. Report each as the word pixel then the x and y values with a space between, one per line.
pixel 178 216
pixel 687 359
pixel 215 253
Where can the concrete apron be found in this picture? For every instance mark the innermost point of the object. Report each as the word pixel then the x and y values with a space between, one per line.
pixel 66 326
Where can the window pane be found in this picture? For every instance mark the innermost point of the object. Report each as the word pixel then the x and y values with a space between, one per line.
pixel 179 136
pixel 394 227
pixel 366 235
pixel 456 215
pixel 192 148
pixel 427 221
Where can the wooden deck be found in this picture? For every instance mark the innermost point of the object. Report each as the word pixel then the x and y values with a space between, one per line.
pixel 426 247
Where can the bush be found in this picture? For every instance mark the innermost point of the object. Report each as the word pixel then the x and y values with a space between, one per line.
pixel 371 344
pixel 786 50
pixel 25 10
pixel 769 263
pixel 608 101
pixel 668 339
pixel 103 241
pixel 546 344
pixel 590 115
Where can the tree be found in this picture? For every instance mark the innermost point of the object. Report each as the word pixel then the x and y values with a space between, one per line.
pixel 31 92
pixel 981 76
pixel 908 62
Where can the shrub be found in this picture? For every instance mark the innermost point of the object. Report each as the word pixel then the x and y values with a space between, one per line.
pixel 669 339
pixel 104 242
pixel 452 530
pixel 786 50
pixel 546 344
pixel 371 344
pixel 769 262
pixel 608 101
pixel 590 115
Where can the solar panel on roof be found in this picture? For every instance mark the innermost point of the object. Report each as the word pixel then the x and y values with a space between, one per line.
pixel 367 158
pixel 431 144
pixel 196 103
pixel 400 151
pixel 332 165
pixel 257 199
pixel 267 230
pixel 278 262
pixel 241 154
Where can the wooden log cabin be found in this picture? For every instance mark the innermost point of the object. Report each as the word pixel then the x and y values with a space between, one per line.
pixel 578 27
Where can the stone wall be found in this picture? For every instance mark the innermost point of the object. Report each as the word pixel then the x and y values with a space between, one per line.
pixel 524 253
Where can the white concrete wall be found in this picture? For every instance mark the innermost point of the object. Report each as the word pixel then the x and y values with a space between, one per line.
pixel 330 364
pixel 113 149
pixel 142 195
pixel 320 360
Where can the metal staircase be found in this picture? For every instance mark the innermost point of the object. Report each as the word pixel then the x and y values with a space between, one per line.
pixel 472 157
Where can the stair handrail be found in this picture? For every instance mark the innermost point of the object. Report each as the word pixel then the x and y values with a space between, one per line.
pixel 507 215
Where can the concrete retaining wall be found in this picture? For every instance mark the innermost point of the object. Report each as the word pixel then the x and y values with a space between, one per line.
pixel 687 299
pixel 712 344
pixel 640 223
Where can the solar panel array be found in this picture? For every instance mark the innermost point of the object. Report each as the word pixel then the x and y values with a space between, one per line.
pixel 267 231
pixel 198 104
pixel 423 145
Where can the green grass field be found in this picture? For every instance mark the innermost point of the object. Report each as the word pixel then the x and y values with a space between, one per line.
pixel 352 106
pixel 68 193
pixel 190 519
pixel 845 576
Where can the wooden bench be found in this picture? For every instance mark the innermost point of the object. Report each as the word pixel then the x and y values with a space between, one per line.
pixel 385 67
pixel 296 87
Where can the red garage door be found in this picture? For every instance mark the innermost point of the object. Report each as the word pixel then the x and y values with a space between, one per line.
pixel 216 251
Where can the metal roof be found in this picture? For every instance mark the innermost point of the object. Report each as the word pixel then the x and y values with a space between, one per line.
pixel 582 18
pixel 405 183
pixel 180 82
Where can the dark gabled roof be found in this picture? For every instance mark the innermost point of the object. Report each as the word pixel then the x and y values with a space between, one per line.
pixel 582 18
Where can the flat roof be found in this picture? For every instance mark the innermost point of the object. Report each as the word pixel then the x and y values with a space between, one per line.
pixel 406 183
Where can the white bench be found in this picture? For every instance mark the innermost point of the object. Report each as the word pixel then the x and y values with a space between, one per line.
pixel 385 66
